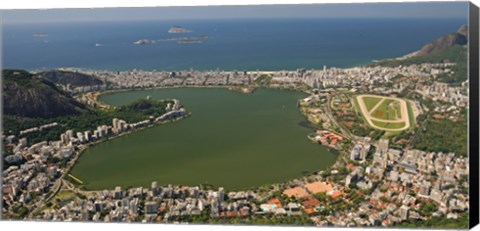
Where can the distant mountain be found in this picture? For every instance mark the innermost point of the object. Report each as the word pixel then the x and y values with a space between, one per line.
pixel 27 95
pixel 450 48
pixel 463 30
pixel 75 79
pixel 444 42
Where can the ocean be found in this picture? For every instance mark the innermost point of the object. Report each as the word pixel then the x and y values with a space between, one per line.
pixel 249 44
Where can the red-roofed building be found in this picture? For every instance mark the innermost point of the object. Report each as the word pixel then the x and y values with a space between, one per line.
pixel 310 202
pixel 336 194
pixel 309 210
pixel 351 167
pixel 296 192
pixel 275 201
pixel 333 142
pixel 231 213
pixel 317 187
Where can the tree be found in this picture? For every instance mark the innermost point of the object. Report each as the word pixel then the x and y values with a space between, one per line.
pixel 321 196
pixel 426 209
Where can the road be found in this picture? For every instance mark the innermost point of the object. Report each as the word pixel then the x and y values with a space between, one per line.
pixel 329 114
pixel 57 184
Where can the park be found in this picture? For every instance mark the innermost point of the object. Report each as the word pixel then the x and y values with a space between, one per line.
pixel 385 113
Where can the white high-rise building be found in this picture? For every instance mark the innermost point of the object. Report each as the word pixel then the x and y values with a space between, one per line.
pixel 23 142
pixel 64 138
pixel 88 135
pixel 404 212
pixel 201 206
pixel 69 134
pixel 80 137
pixel 151 207
pixel 221 194
pixel 115 124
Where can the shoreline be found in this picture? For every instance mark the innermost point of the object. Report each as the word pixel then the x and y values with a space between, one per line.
pixel 86 146
pixel 331 150
pixel 334 174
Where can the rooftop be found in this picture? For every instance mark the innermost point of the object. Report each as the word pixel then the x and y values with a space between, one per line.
pixel 296 192
pixel 317 187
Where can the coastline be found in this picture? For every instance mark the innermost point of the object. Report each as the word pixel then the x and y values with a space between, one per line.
pixel 86 146
pixel 417 177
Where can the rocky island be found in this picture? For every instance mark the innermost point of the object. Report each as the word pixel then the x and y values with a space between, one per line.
pixel 144 42
pixel 178 29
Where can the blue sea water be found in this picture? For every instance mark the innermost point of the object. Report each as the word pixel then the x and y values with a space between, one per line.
pixel 249 44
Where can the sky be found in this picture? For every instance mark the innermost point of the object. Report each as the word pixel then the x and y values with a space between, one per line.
pixel 346 10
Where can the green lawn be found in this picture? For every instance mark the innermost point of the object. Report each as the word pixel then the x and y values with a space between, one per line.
pixel 397 110
pixel 63 196
pixel 370 102
pixel 411 117
pixel 388 125
pixel 381 111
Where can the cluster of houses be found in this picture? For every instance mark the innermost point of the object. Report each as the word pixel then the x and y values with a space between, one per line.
pixel 328 138
pixel 151 79
pixel 360 149
pixel 83 89
pixel 154 204
pixel 33 172
pixel 305 193
pixel 437 91
pixel 34 168
pixel 405 180
pixel 39 128
pixel 368 76
pixel 320 79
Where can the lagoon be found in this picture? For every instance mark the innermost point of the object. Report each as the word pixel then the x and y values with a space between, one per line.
pixel 232 140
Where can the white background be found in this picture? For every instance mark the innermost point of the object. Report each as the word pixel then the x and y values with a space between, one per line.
pixel 48 4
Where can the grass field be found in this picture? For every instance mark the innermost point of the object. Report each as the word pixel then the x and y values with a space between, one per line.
pixel 389 125
pixel 411 117
pixel 65 195
pixel 357 108
pixel 375 114
pixel 393 112
pixel 370 102
pixel 397 110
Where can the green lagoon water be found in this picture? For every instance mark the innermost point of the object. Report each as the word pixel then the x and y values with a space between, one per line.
pixel 234 140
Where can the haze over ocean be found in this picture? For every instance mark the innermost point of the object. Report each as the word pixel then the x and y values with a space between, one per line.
pixel 232 44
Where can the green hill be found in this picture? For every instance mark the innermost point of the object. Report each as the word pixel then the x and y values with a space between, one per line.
pixel 31 101
pixel 448 48
pixel 69 77
pixel 26 95
pixel 456 54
